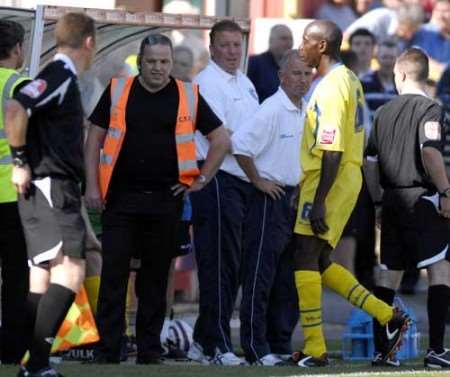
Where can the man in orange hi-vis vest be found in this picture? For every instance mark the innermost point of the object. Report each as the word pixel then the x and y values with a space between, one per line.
pixel 145 127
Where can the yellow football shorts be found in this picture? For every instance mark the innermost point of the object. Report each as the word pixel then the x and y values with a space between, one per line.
pixel 339 204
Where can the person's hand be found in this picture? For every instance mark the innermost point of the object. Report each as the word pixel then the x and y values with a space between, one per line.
pixel 317 218
pixel 295 198
pixel 92 198
pixel 178 189
pixel 196 186
pixel 21 178
pixel 445 207
pixel 271 188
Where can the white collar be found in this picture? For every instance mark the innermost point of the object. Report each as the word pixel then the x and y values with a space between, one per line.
pixel 286 101
pixel 417 91
pixel 67 61
pixel 227 76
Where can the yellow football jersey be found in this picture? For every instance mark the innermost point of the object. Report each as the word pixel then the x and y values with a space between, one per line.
pixel 334 120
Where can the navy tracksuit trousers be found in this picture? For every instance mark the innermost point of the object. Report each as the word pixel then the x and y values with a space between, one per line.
pixel 228 217
pixel 269 308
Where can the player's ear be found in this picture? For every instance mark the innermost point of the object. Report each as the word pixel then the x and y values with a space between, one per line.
pixel 323 46
pixel 89 43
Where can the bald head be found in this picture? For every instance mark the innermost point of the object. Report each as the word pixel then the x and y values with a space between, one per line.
pixel 326 31
pixel 280 40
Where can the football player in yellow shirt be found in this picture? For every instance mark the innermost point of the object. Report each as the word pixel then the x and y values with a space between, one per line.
pixel 331 156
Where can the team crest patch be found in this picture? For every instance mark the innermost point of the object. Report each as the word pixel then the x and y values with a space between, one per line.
pixel 35 88
pixel 327 136
pixel 432 130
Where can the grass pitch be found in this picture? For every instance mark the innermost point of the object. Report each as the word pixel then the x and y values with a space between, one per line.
pixel 337 368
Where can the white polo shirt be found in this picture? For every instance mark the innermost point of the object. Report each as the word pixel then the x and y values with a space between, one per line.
pixel 272 137
pixel 233 98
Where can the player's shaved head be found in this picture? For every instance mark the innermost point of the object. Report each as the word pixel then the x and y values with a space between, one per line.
pixel 327 31
pixel 414 64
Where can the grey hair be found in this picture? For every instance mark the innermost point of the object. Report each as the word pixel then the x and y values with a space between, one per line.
pixel 287 57
pixel 410 13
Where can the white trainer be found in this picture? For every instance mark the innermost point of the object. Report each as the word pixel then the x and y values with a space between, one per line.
pixel 196 354
pixel 270 360
pixel 227 359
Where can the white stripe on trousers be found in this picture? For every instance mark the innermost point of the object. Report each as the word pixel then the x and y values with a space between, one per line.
pixel 219 260
pixel 256 276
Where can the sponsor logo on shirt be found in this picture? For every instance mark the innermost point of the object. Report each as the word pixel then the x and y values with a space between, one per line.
pixel 286 136
pixel 327 136
pixel 35 88
pixel 432 130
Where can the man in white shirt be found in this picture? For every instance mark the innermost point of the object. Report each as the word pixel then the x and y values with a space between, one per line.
pixel 219 209
pixel 266 148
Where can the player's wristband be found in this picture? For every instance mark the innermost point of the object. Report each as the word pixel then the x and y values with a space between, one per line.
pixel 19 155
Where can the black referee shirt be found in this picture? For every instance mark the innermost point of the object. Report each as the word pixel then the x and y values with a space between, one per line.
pixel 55 130
pixel 397 136
pixel 148 158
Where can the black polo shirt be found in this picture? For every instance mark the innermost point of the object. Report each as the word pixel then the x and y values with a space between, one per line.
pixel 397 136
pixel 148 158
pixel 55 130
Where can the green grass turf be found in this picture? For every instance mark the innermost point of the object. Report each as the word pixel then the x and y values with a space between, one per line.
pixel 338 367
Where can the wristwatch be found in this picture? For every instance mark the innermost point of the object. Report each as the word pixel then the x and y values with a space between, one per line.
pixel 445 193
pixel 202 179
pixel 16 161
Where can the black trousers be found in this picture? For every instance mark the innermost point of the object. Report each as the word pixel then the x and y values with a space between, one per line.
pixel 146 223
pixel 15 285
pixel 218 218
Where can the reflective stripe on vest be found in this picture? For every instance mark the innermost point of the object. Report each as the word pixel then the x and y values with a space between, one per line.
pixel 8 81
pixel 184 131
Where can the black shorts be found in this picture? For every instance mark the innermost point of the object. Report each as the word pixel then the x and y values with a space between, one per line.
pixel 414 236
pixel 51 219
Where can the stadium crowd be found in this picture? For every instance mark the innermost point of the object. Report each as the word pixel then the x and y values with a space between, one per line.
pixel 278 177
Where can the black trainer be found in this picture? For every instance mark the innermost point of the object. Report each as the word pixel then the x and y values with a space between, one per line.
pixel 380 361
pixel 437 360
pixel 392 334
pixel 305 361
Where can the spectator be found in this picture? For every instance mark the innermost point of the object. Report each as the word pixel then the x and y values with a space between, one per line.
pixel 263 68
pixel 219 209
pixel 363 42
pixel 361 7
pixel 183 62
pixel 338 11
pixel 409 19
pixel 379 86
pixel 266 148
pixel 434 38
pixel 382 22
pixel 139 181
pixel 13 253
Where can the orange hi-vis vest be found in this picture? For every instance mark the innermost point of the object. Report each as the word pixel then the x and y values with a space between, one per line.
pixel 184 131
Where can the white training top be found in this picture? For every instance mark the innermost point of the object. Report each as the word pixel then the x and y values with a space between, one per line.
pixel 272 137
pixel 233 99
